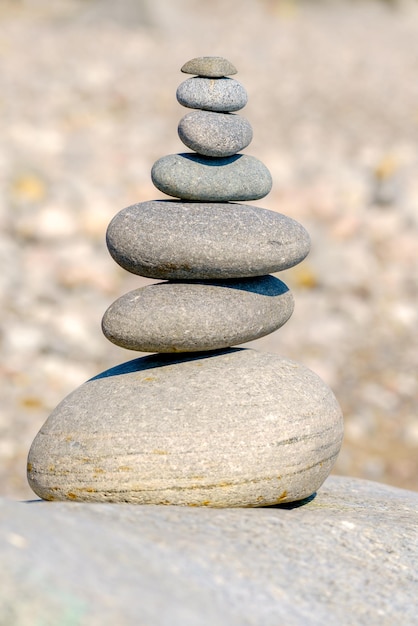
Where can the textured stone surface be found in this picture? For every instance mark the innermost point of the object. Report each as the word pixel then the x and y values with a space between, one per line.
pixel 190 317
pixel 215 134
pixel 348 556
pixel 193 177
pixel 230 428
pixel 212 67
pixel 186 240
pixel 212 94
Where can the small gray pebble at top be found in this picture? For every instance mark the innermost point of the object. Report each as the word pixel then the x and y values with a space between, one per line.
pixel 215 134
pixel 212 94
pixel 211 67
pixel 190 176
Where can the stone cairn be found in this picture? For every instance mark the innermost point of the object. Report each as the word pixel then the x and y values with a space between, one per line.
pixel 200 423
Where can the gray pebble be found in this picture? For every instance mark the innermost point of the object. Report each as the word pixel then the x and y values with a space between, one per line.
pixel 190 317
pixel 212 67
pixel 166 239
pixel 221 429
pixel 194 177
pixel 212 94
pixel 215 134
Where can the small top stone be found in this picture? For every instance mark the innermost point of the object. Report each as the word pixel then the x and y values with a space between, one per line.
pixel 210 67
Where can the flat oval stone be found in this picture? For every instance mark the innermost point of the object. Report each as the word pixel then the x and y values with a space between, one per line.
pixel 165 239
pixel 212 94
pixel 212 67
pixel 194 177
pixel 190 317
pixel 215 134
pixel 223 429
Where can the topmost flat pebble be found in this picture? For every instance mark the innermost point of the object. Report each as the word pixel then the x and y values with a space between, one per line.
pixel 210 67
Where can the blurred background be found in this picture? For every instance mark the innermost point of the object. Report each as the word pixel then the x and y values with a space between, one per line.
pixel 87 104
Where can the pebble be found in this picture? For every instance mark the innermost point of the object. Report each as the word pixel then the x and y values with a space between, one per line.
pixel 212 94
pixel 222 429
pixel 211 67
pixel 193 177
pixel 165 239
pixel 215 134
pixel 190 317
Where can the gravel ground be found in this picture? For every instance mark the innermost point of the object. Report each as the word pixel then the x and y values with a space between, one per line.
pixel 87 105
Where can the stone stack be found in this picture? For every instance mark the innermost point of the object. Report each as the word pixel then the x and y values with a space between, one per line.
pixel 200 423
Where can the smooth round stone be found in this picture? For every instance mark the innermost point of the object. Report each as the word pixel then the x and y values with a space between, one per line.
pixel 212 94
pixel 212 67
pixel 165 239
pixel 215 134
pixel 191 176
pixel 236 428
pixel 190 317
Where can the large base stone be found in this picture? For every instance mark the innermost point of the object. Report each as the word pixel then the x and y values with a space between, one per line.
pixel 347 557
pixel 223 429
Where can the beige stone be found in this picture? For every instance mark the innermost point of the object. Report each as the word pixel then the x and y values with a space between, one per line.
pixel 222 429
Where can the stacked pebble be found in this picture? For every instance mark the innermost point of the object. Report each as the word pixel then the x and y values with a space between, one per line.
pixel 213 426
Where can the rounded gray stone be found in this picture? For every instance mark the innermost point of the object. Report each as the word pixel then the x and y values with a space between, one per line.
pixel 223 429
pixel 190 317
pixel 165 239
pixel 215 134
pixel 191 176
pixel 212 67
pixel 212 94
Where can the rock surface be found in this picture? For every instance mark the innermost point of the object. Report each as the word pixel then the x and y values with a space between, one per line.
pixel 230 428
pixel 212 94
pixel 193 177
pixel 180 240
pixel 190 317
pixel 348 556
pixel 215 134
pixel 212 67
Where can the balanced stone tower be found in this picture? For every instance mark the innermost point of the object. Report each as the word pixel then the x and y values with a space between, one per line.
pixel 200 423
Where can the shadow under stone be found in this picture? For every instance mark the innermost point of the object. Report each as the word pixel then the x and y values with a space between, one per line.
pixel 161 360
pixel 266 285
pixel 210 161
pixel 293 505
